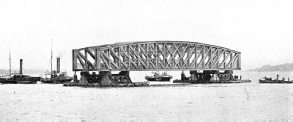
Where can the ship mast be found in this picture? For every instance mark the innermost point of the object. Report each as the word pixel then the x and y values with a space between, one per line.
pixel 9 63
pixel 51 57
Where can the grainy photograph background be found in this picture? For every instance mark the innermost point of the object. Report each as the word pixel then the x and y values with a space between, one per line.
pixel 262 30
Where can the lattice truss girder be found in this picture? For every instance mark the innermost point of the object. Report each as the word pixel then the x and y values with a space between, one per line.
pixel 156 56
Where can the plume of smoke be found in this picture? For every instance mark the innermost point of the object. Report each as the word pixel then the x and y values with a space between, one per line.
pixel 60 54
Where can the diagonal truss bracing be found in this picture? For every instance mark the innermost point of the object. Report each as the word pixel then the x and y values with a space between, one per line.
pixel 155 55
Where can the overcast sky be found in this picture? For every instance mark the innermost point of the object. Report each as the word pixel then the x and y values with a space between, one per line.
pixel 262 30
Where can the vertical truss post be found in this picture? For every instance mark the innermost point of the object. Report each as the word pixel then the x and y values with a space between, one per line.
pixel 224 61
pixel 164 55
pixel 195 57
pixel 138 56
pixel 109 60
pixel 203 57
pixel 231 60
pixel 119 59
pixel 147 56
pixel 98 59
pixel 128 51
pixel 239 61
pixel 218 58
pixel 188 56
pixel 156 55
pixel 74 60
pixel 211 58
pixel 86 59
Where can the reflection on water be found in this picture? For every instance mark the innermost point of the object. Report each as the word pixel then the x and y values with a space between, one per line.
pixel 208 102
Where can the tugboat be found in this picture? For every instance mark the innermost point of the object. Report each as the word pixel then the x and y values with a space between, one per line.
pixel 18 78
pixel 270 80
pixel 159 77
pixel 56 77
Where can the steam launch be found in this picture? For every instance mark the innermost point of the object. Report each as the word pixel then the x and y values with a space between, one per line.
pixel 57 77
pixel 19 78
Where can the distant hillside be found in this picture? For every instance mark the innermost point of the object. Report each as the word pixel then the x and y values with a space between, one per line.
pixel 268 68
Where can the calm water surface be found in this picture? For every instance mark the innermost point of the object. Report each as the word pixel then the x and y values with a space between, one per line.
pixel 208 102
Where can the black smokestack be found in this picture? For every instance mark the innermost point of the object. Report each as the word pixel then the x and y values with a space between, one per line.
pixel 58 65
pixel 20 69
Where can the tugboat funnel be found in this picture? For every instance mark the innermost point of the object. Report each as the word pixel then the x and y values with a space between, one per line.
pixel 58 65
pixel 20 69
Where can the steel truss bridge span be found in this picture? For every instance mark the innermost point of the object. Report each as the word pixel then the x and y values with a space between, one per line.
pixel 155 56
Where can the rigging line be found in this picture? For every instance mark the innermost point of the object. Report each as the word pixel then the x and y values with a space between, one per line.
pixel 9 63
pixel 50 61
pixel 51 56
pixel 47 67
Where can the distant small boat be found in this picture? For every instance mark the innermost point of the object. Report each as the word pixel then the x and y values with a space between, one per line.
pixel 274 81
pixel 159 77
pixel 57 78
pixel 270 80
pixel 20 79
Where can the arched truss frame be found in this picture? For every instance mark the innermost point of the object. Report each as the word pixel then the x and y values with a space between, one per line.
pixel 155 56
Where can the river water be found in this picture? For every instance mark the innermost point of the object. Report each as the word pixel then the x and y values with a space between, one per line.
pixel 199 102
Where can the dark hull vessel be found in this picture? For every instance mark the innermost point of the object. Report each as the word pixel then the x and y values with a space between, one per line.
pixel 25 79
pixel 26 82
pixel 7 81
pixel 56 80
pixel 158 77
pixel 274 81
pixel 20 79
pixel 150 78
pixel 270 80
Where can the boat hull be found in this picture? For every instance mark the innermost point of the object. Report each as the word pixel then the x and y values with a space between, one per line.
pixel 55 80
pixel 8 81
pixel 158 78
pixel 28 80
pixel 274 81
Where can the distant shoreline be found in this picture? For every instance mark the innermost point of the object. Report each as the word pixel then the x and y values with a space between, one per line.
pixel 265 71
pixel 288 67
